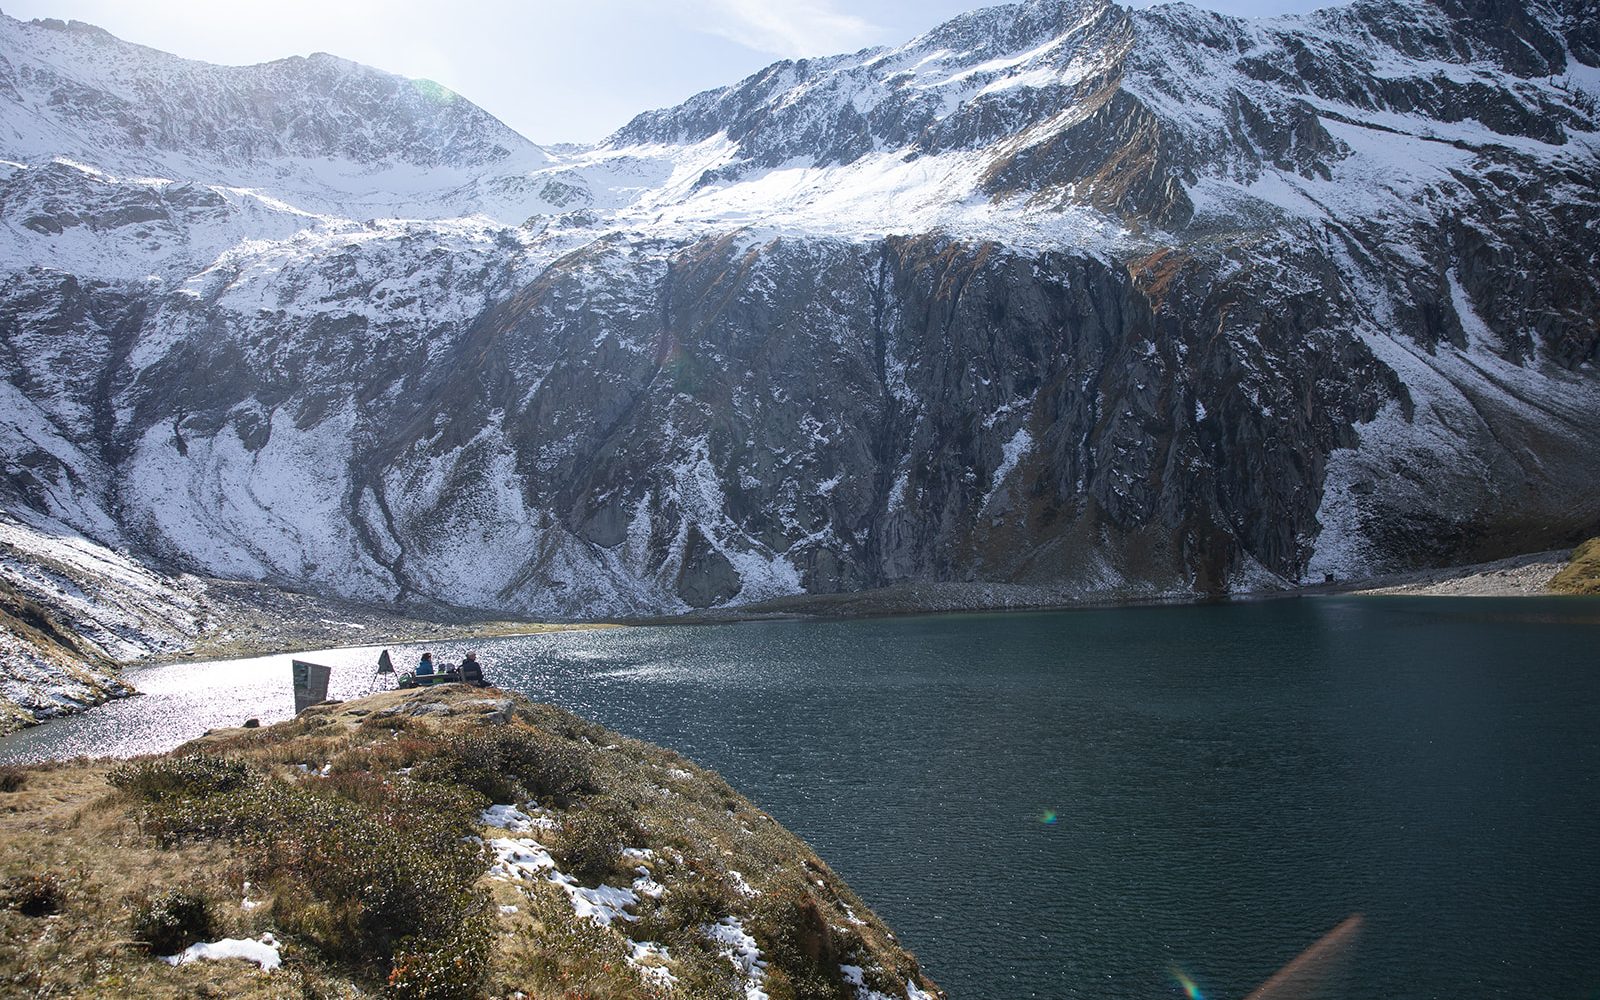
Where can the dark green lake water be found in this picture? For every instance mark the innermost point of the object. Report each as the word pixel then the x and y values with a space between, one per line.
pixel 1091 803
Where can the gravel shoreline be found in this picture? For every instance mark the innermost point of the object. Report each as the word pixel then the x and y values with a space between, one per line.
pixel 1520 576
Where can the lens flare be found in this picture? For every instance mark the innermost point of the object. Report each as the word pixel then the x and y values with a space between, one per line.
pixel 1191 989
pixel 1049 817
pixel 438 93
pixel 1308 974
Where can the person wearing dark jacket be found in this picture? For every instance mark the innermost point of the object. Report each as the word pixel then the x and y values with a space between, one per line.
pixel 472 672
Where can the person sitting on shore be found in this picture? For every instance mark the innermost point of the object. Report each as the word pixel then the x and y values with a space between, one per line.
pixel 425 668
pixel 472 672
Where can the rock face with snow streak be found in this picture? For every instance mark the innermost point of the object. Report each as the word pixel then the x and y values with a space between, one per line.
pixel 1058 301
pixel 70 611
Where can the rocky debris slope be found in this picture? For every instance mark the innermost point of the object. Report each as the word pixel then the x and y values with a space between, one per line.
pixel 72 612
pixel 509 848
pixel 1520 576
pixel 1059 301
pixel 44 670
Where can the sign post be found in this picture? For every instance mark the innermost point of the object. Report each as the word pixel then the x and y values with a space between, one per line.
pixel 310 684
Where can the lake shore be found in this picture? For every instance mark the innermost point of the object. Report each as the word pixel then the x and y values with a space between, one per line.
pixel 1527 575
pixel 252 619
pixel 283 627
pixel 228 620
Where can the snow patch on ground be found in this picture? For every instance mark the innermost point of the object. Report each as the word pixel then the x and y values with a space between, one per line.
pixel 262 951
pixel 741 886
pixel 524 860
pixel 739 948
pixel 855 976
pixel 651 960
pixel 506 817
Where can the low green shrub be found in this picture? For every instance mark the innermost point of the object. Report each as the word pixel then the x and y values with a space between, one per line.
pixel 796 936
pixel 691 901
pixel 358 863
pixel 159 778
pixel 363 889
pixel 565 725
pixel 456 968
pixel 591 844
pixel 171 920
pixel 512 764
pixel 317 984
pixel 384 755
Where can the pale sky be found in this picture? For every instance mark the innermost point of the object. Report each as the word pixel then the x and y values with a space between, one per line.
pixel 554 70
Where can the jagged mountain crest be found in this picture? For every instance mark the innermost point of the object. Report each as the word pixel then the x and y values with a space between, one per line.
pixel 991 78
pixel 1173 92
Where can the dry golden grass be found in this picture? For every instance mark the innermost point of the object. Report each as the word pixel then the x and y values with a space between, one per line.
pixel 1582 574
pixel 100 851
pixel 67 823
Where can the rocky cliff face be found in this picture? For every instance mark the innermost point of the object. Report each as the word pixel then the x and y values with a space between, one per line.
pixel 1058 301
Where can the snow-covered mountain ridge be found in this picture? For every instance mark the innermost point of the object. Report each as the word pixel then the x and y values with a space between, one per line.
pixel 1058 301
pixel 320 133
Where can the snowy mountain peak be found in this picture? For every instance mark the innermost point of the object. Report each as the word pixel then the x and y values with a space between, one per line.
pixel 842 107
pixel 1066 104
pixel 996 32
pixel 77 89
pixel 320 132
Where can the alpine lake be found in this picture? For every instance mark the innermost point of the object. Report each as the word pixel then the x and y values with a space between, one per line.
pixel 1118 803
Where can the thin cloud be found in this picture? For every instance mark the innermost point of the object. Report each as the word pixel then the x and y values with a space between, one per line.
pixel 790 28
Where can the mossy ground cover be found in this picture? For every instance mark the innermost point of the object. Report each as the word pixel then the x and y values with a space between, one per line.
pixel 1582 574
pixel 355 835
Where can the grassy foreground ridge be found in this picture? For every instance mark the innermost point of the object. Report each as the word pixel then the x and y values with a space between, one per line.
pixel 443 843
